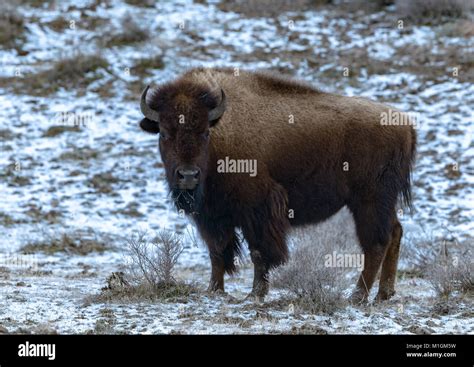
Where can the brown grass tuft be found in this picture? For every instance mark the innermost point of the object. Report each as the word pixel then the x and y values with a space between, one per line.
pixel 433 11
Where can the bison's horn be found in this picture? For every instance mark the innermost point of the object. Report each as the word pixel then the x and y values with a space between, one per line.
pixel 218 111
pixel 149 113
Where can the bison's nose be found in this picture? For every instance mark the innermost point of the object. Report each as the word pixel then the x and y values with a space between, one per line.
pixel 188 177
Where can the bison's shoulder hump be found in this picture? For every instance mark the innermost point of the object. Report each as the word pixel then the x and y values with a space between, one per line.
pixel 260 82
pixel 281 84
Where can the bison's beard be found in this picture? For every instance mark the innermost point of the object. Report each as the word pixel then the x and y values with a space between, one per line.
pixel 187 200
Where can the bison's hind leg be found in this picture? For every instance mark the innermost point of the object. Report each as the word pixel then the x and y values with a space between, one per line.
pixel 373 227
pixel 390 264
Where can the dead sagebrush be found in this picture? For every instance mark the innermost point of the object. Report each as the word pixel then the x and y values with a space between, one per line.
pixel 422 248
pixel 316 286
pixel 451 273
pixel 150 274
pixel 155 260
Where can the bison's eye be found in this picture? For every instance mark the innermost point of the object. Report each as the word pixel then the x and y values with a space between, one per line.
pixel 163 135
pixel 205 134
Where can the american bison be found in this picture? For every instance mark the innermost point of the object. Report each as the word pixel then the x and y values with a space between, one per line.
pixel 312 152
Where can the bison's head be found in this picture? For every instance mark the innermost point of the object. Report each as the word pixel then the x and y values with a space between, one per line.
pixel 182 114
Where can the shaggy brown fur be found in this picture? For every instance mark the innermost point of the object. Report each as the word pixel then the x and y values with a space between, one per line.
pixel 316 152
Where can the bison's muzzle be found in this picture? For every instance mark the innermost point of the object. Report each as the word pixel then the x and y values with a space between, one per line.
pixel 187 177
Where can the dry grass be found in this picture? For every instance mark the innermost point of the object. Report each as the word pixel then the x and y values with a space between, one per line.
pixel 72 73
pixel 366 5
pixel 84 155
pixel 15 176
pixel 142 3
pixel 450 274
pixel 6 220
pixel 274 8
pixel 314 286
pixel 58 24
pixel 38 3
pixel 103 182
pixel 76 243
pixel 268 8
pixel 431 11
pixel 144 66
pixel 179 292
pixel 56 130
pixel 130 32
pixel 12 27
pixel 458 28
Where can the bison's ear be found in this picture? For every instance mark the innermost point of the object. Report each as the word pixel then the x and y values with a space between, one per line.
pixel 150 126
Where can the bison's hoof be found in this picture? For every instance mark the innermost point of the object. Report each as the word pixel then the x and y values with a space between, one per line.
pixel 215 290
pixel 258 293
pixel 252 296
pixel 384 295
pixel 358 298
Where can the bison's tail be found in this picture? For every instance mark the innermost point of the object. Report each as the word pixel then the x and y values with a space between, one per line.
pixel 408 160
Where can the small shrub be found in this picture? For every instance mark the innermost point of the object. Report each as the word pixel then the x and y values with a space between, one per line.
pixel 450 274
pixel 316 287
pixel 155 261
pixel 150 272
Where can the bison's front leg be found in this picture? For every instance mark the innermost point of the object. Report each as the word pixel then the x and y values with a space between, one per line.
pixel 260 279
pixel 216 283
pixel 223 246
pixel 265 230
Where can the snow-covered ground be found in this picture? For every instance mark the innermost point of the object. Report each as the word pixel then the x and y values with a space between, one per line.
pixel 106 175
